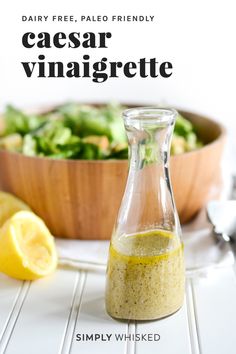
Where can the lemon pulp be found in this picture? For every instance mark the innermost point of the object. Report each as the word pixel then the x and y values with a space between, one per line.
pixel 27 249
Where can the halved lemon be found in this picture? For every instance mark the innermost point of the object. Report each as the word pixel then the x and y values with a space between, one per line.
pixel 27 249
pixel 9 205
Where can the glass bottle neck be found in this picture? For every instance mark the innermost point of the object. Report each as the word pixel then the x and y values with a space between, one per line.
pixel 149 145
pixel 148 201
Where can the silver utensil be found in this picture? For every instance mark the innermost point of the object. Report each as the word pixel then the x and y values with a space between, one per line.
pixel 222 215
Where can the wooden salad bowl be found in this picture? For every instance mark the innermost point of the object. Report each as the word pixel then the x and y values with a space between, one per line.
pixel 80 199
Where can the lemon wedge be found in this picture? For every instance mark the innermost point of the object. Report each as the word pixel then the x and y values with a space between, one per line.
pixel 27 249
pixel 9 205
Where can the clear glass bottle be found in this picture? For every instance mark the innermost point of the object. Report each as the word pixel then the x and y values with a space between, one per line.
pixel 145 273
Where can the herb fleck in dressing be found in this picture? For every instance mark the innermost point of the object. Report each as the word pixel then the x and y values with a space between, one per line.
pixel 145 276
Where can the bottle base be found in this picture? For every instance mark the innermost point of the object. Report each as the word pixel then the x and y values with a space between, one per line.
pixel 145 318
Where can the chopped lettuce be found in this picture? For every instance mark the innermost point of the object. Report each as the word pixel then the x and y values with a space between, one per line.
pixel 74 131
pixel 18 122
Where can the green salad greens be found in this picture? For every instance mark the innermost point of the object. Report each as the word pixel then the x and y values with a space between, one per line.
pixel 75 131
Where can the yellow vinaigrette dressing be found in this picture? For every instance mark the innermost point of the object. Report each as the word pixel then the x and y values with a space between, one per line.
pixel 145 276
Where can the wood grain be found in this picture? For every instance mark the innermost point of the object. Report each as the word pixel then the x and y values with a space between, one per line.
pixel 80 199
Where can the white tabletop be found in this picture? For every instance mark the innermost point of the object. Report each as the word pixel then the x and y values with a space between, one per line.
pixel 46 316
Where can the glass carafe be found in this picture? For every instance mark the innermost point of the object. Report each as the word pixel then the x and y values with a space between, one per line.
pixel 145 273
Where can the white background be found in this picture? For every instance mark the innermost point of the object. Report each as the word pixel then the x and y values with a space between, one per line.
pixel 198 37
